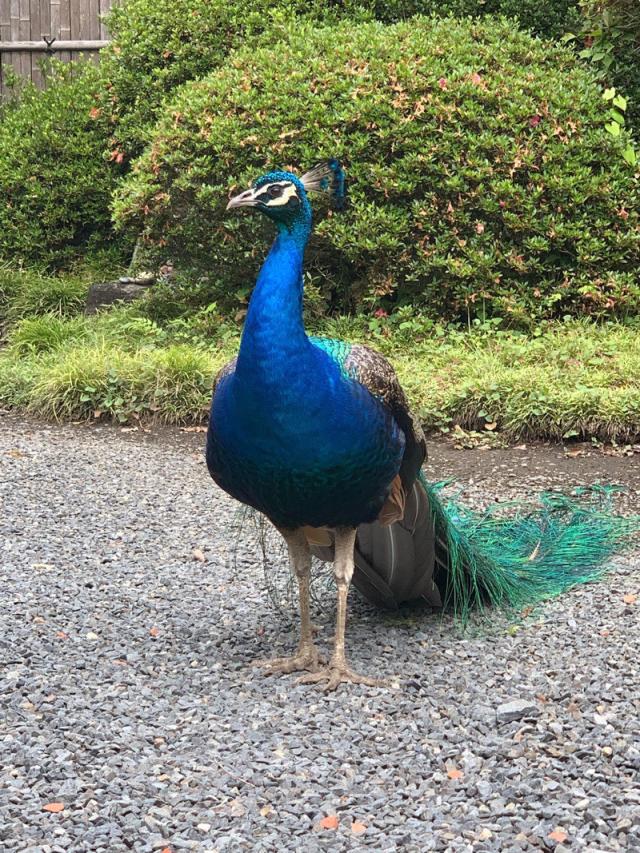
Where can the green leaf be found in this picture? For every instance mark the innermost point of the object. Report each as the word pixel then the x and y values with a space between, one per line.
pixel 620 102
pixel 613 128
pixel 609 94
pixel 629 155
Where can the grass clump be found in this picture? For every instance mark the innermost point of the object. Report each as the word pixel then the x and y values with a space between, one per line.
pixel 44 333
pixel 27 294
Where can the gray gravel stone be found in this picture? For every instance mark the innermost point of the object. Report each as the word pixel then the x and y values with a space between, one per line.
pixel 157 726
pixel 516 709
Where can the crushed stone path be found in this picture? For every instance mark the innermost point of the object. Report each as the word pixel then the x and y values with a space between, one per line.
pixel 130 719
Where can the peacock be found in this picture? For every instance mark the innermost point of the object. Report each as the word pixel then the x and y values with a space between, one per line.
pixel 317 435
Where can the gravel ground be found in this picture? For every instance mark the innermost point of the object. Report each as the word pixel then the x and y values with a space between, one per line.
pixel 126 695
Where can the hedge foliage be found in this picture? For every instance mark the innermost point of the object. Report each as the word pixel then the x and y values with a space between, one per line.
pixel 160 44
pixel 611 33
pixel 481 179
pixel 55 184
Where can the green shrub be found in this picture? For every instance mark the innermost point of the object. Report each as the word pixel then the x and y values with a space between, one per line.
pixel 55 184
pixel 481 178
pixel 160 44
pixel 550 19
pixel 611 35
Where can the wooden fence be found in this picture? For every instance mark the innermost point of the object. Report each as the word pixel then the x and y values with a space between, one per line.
pixel 30 30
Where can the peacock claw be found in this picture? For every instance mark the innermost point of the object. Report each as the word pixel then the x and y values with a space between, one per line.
pixel 338 674
pixel 307 659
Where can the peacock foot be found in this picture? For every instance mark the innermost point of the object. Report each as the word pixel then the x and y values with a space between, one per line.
pixel 331 676
pixel 306 658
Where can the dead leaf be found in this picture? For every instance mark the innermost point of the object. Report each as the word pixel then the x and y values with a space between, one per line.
pixel 166 850
pixel 266 811
pixel 16 454
pixel 155 631
pixel 454 773
pixel 558 835
pixel 358 828
pixel 62 635
pixel 491 426
pixel 329 822
pixel 630 598
pixel 193 429
pixel 198 555
pixel 54 808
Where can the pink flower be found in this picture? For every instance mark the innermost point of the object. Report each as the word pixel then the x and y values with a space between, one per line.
pixel 380 313
pixel 442 83
pixel 534 121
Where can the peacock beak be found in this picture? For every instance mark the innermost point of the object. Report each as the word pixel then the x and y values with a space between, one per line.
pixel 245 199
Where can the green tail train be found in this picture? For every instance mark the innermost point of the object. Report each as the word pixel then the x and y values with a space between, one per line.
pixel 510 556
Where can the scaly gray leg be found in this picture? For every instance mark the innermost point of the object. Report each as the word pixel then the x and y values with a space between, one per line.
pixel 307 655
pixel 338 671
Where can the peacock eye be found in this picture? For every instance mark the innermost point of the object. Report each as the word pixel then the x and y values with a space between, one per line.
pixel 275 191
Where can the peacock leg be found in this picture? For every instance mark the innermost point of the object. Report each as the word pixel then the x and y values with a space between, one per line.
pixel 338 670
pixel 307 655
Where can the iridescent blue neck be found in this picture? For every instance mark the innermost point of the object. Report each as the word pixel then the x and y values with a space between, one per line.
pixel 274 328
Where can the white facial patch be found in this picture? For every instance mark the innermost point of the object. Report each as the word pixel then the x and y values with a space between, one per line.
pixel 289 190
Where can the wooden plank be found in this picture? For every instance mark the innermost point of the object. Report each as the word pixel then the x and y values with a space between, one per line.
pixel 75 21
pixel 35 28
pixel 105 5
pixel 41 46
pixel 24 33
pixel 94 19
pixel 5 20
pixel 65 29
pixel 54 19
pixel 14 20
pixel 65 20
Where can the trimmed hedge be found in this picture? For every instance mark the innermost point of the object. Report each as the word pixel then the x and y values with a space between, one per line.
pixel 548 18
pixel 160 44
pixel 611 34
pixel 481 179
pixel 55 184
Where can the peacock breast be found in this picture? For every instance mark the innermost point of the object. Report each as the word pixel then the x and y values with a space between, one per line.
pixel 314 449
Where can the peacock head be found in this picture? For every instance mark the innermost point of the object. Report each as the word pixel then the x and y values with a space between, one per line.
pixel 282 196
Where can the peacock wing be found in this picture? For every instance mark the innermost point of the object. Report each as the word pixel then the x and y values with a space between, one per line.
pixel 226 370
pixel 375 373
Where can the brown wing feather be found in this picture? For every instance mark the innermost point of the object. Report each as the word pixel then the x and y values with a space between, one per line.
pixel 374 372
pixel 225 370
